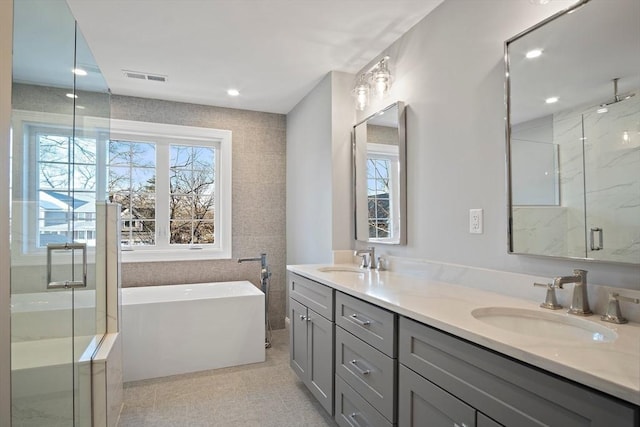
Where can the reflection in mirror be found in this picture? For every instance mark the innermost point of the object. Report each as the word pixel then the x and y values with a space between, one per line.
pixel 574 134
pixel 380 177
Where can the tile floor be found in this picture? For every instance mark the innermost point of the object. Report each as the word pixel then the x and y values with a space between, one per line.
pixel 262 394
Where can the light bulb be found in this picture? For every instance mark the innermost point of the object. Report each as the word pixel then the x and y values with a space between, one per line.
pixel 533 53
pixel 361 93
pixel 382 79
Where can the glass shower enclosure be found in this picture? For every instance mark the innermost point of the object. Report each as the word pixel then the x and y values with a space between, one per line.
pixel 60 129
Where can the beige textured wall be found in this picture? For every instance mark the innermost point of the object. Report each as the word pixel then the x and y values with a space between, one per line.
pixel 258 141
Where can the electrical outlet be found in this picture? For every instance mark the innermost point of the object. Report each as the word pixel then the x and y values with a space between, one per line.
pixel 475 221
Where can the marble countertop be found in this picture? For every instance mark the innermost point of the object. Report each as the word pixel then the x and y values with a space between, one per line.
pixel 611 367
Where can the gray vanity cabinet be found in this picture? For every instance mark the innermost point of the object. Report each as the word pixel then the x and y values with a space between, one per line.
pixel 450 380
pixel 311 336
pixel 366 364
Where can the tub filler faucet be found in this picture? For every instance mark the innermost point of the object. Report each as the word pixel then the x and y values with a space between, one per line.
pixel 265 272
pixel 265 279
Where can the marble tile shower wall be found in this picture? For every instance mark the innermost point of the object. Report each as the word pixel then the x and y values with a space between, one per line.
pixel 258 141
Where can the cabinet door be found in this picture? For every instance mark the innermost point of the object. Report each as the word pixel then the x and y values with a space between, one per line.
pixel 320 350
pixel 421 403
pixel 298 352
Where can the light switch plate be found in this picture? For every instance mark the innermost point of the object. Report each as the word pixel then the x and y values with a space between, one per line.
pixel 475 221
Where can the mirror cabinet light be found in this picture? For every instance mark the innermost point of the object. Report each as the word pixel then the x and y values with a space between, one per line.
pixel 379 77
pixel 572 162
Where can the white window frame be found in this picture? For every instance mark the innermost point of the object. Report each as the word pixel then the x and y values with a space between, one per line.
pixel 22 218
pixel 160 133
pixel 389 152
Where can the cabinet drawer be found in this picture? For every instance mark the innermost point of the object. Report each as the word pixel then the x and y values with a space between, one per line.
pixel 368 371
pixel 483 421
pixel 353 411
pixel 314 295
pixel 510 392
pixel 372 324
pixel 421 401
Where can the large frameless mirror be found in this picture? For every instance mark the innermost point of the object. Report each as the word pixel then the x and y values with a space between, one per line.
pixel 379 148
pixel 573 128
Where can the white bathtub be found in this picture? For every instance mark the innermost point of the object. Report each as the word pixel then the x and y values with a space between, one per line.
pixel 176 329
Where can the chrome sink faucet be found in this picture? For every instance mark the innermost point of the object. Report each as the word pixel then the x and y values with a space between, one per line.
pixel 579 301
pixel 368 257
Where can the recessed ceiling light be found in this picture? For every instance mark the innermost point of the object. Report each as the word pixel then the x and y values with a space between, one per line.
pixel 551 100
pixel 534 53
pixel 233 92
pixel 71 95
pixel 79 72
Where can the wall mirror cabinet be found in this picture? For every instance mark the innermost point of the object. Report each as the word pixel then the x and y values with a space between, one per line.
pixel 573 134
pixel 379 168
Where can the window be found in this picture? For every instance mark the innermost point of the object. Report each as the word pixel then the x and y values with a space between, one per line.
pixel 382 191
pixel 378 197
pixel 173 183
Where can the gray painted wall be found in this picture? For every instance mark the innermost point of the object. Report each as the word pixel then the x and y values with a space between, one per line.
pixel 309 182
pixel 449 70
pixel 319 182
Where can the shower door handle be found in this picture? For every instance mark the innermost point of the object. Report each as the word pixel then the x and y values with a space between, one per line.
pixel 592 238
pixel 66 284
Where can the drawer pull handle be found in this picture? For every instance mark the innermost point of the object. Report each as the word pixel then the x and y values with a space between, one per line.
pixel 354 317
pixel 354 363
pixel 459 425
pixel 303 317
pixel 354 421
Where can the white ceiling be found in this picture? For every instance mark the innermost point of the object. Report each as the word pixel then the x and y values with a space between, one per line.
pixel 273 51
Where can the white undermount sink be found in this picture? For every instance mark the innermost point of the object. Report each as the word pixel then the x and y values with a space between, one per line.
pixel 544 325
pixel 341 269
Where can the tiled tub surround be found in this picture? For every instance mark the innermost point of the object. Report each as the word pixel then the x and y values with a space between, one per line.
pixel 428 295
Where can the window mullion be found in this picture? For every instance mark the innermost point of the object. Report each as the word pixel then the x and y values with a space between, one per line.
pixel 162 195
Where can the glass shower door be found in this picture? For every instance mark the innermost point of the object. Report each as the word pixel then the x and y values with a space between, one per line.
pixel 612 181
pixel 60 125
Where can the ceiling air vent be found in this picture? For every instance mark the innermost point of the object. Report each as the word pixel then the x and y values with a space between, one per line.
pixel 144 76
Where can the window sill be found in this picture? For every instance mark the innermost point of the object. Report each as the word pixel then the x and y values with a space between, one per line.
pixel 130 256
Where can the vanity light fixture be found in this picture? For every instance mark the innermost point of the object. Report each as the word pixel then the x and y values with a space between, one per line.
pixel 379 77
pixel 233 92
pixel 79 72
pixel 551 100
pixel 534 53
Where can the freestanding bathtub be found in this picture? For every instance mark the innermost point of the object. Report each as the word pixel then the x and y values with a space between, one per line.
pixel 176 329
